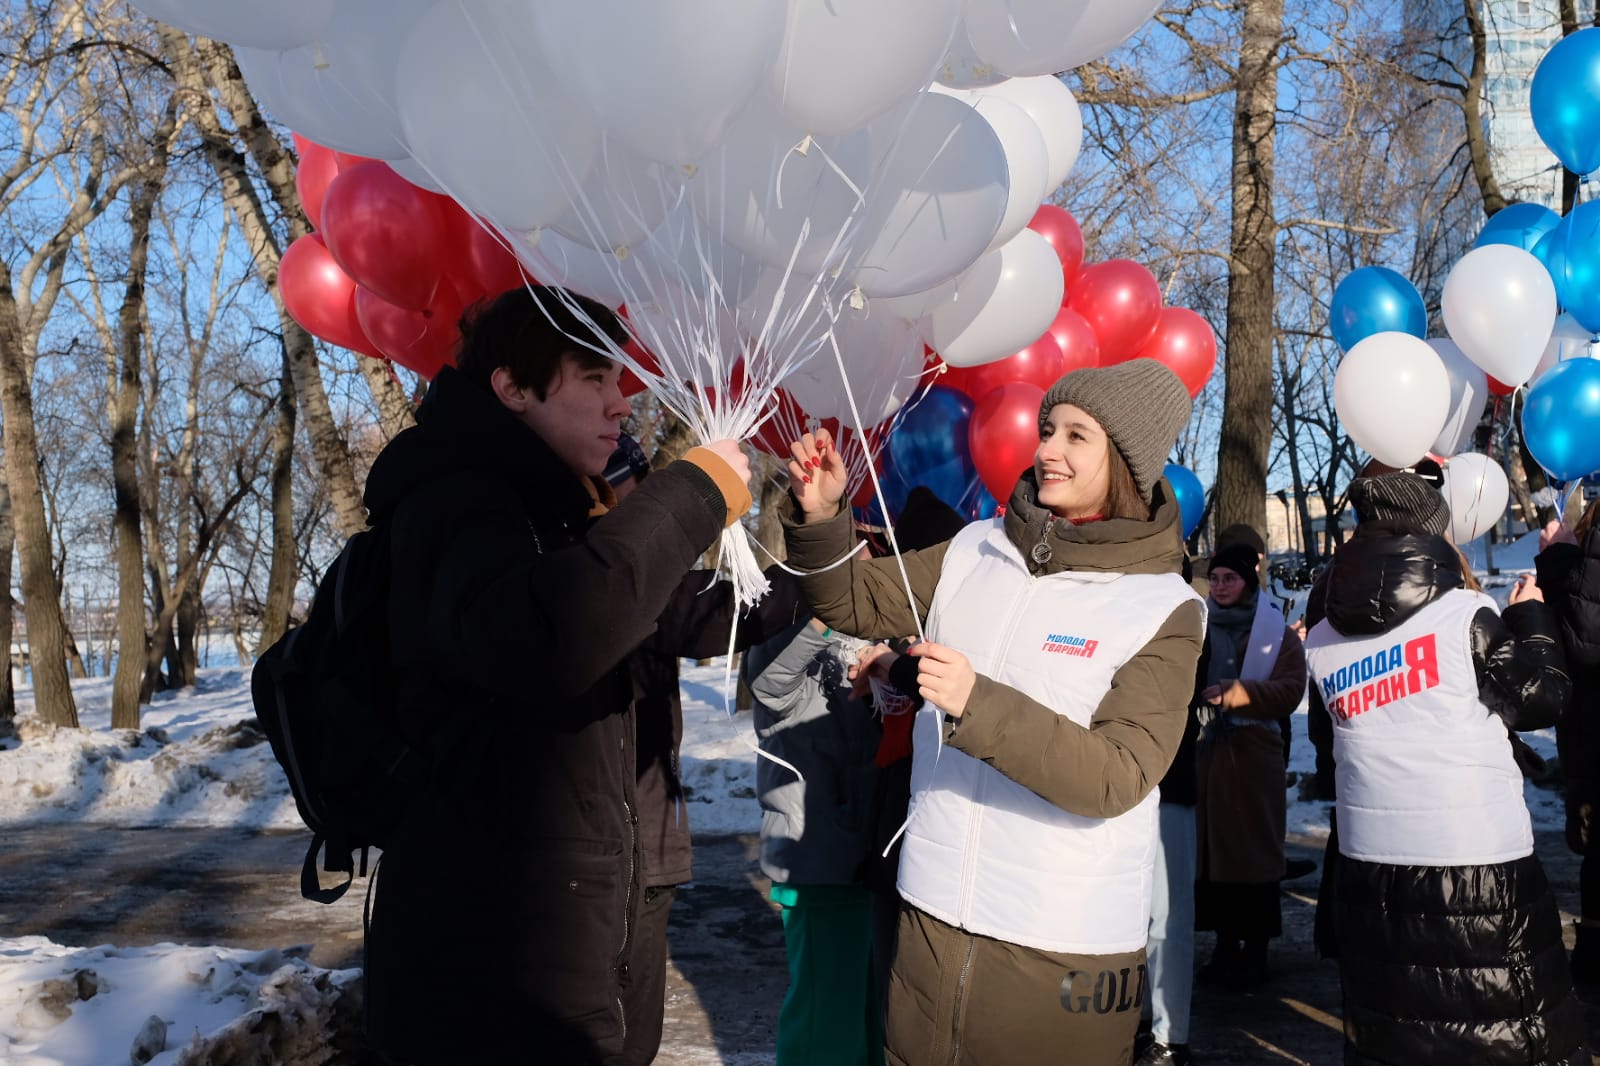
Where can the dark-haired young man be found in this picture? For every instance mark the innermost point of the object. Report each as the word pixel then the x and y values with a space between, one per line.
pixel 505 909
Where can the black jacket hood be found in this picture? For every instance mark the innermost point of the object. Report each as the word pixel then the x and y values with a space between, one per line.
pixel 461 428
pixel 1384 575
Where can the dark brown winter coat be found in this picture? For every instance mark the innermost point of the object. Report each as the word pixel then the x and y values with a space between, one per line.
pixel 504 908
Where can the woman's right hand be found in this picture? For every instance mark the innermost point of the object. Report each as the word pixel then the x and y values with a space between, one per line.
pixel 818 477
pixel 1527 588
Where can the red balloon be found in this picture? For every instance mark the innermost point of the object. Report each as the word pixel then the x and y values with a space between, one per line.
pixel 387 234
pixel 1185 342
pixel 487 264
pixel 320 296
pixel 1056 225
pixel 421 341
pixel 1038 364
pixel 318 167
pixel 1004 434
pixel 1122 303
pixel 1499 388
pixel 1080 348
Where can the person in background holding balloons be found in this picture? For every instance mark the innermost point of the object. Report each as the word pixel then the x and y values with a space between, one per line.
pixel 1061 641
pixel 1449 940
pixel 503 918
pixel 1251 675
pixel 1569 573
pixel 695 624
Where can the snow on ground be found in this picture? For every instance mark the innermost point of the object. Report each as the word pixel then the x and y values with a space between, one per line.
pixel 199 760
pixel 99 1005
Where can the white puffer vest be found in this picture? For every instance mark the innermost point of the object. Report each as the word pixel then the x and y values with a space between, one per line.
pixel 1425 773
pixel 981 851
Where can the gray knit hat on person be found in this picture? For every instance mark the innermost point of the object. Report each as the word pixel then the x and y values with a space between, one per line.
pixel 1140 404
pixel 1401 498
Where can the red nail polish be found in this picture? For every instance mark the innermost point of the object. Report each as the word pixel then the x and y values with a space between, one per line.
pixel 808 479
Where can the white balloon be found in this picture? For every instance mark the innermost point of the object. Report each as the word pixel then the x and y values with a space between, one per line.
pixel 1469 393
pixel 1002 305
pixel 415 173
pixel 816 389
pixel 1392 394
pixel 916 306
pixel 487 119
pixel 935 202
pixel 1499 304
pixel 774 193
pixel 844 62
pixel 684 252
pixel 962 69
pixel 1027 164
pixel 623 200
pixel 339 89
pixel 1568 340
pixel 1022 37
pixel 1477 490
pixel 1054 109
pixel 883 357
pixel 666 78
pixel 554 260
pixel 279 24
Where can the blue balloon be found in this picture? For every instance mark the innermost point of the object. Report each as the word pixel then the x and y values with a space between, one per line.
pixel 985 506
pixel 1376 300
pixel 933 432
pixel 1561 420
pixel 1190 493
pixel 1565 100
pixel 1519 225
pixel 1571 252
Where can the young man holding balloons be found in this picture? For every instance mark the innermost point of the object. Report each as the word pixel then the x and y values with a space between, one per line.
pixel 506 911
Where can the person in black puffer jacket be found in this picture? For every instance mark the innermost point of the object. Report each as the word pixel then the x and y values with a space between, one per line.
pixel 1449 938
pixel 505 914
pixel 1569 572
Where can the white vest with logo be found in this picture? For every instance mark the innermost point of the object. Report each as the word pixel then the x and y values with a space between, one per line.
pixel 1425 774
pixel 981 851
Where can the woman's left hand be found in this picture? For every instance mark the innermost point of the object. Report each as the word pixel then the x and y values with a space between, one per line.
pixel 944 677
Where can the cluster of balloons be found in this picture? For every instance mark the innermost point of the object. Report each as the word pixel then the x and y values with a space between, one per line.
pixel 753 179
pixel 391 267
pixel 975 428
pixel 1402 396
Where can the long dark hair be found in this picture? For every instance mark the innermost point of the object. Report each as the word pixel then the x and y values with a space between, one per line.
pixel 1122 494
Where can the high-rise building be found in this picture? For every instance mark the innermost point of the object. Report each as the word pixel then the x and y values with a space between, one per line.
pixel 1518 34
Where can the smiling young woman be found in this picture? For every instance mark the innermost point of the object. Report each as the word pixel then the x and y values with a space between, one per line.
pixel 1062 644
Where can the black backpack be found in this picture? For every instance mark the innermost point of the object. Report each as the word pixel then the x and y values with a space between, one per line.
pixel 324 695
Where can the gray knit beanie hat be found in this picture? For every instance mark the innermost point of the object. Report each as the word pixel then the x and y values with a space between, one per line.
pixel 1140 404
pixel 1403 499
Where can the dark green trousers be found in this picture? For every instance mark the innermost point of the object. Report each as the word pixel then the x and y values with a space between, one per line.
pixel 831 1015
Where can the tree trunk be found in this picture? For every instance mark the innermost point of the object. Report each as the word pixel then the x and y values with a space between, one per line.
pixel 41 597
pixel 281 579
pixel 395 411
pixel 1246 437
pixel 1472 109
pixel 328 447
pixel 124 403
pixel 188 626
pixel 8 541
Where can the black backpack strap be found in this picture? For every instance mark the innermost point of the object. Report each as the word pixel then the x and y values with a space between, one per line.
pixel 311 887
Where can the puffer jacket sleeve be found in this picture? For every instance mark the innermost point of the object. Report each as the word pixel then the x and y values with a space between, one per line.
pixel 864 597
pixel 1569 575
pixel 1522 670
pixel 1111 766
